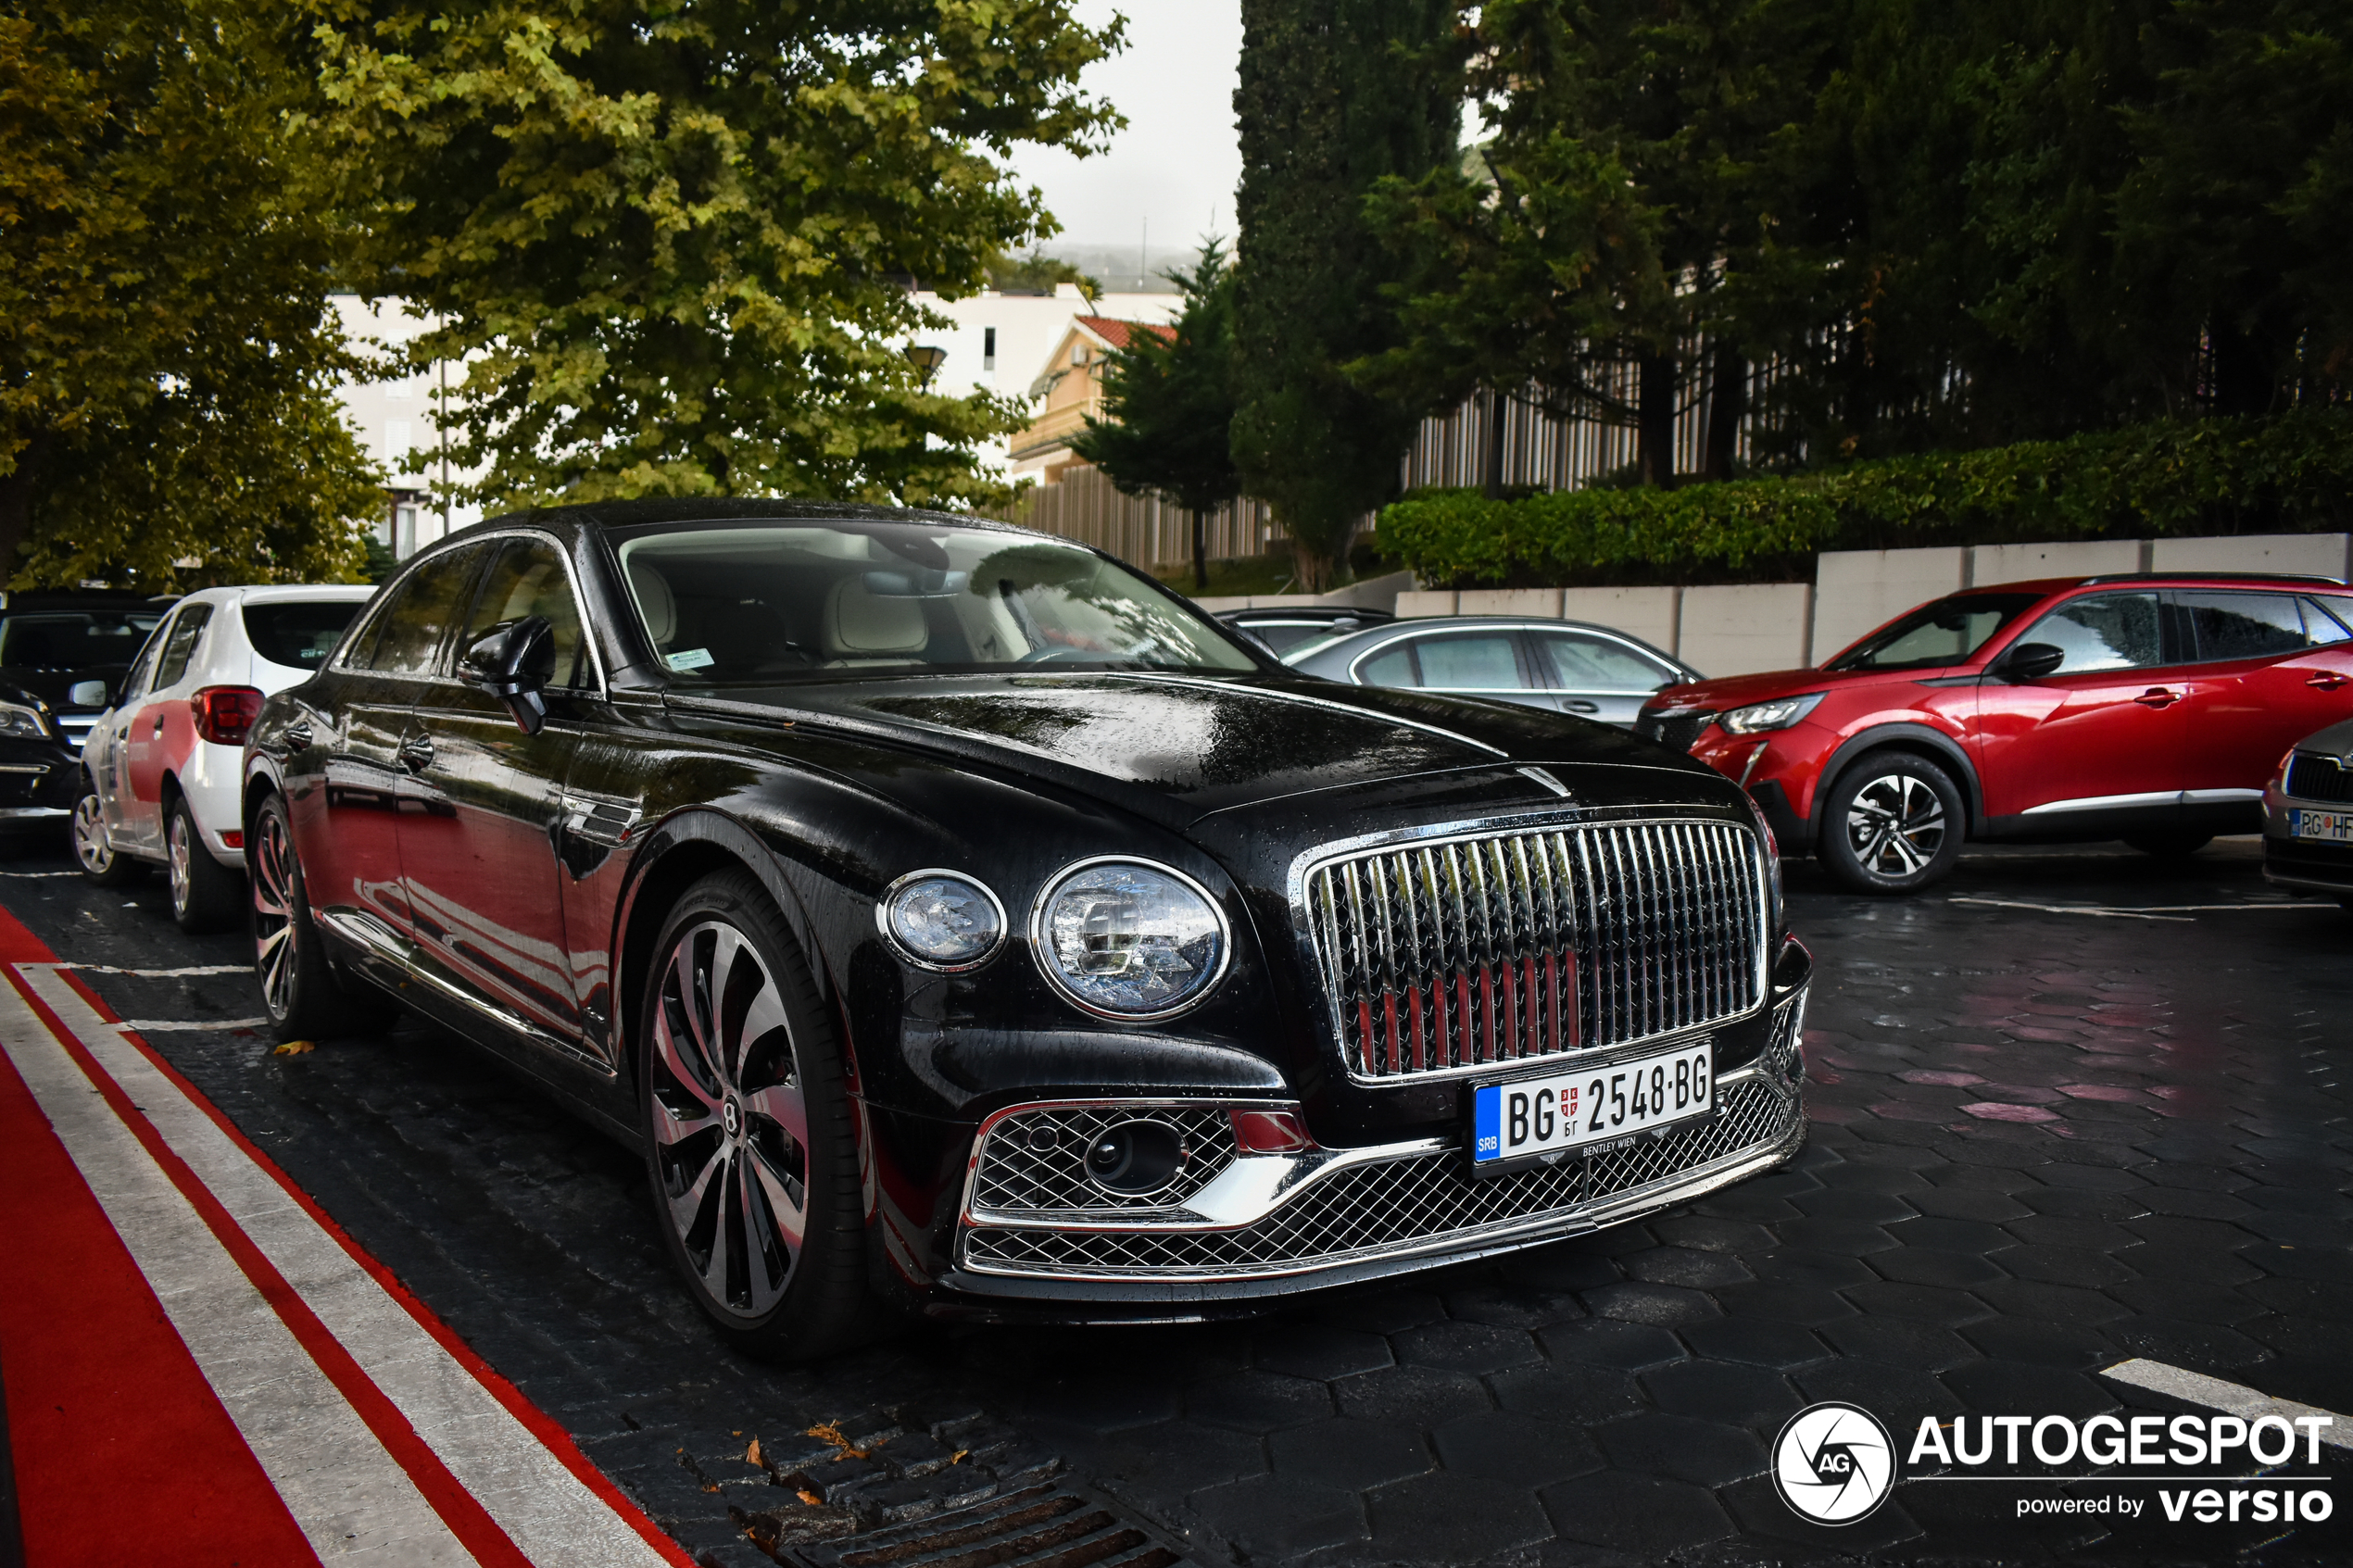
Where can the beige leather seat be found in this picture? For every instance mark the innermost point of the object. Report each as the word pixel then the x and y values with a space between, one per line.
pixel 864 628
pixel 656 603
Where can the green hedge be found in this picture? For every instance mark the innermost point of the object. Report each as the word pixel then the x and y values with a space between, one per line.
pixel 2289 474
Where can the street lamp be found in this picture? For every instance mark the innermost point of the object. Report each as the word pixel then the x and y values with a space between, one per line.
pixel 927 359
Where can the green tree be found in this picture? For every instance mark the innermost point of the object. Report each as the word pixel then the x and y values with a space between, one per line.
pixel 1334 94
pixel 1171 402
pixel 167 360
pixel 676 241
pixel 1636 207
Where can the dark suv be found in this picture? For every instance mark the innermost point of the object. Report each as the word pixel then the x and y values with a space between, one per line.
pixel 2146 708
pixel 62 658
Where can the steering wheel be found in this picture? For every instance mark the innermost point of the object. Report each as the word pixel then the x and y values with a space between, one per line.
pixel 1063 656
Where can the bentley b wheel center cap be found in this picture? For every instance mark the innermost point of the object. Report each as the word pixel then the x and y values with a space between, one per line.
pixel 731 1116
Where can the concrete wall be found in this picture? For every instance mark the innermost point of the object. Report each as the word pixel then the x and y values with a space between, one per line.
pixel 2322 555
pixel 1652 614
pixel 1740 629
pixel 1859 591
pixel 1990 564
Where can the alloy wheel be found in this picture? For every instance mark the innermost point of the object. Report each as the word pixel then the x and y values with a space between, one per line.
pixel 1895 825
pixel 91 845
pixel 177 849
pixel 730 1123
pixel 274 907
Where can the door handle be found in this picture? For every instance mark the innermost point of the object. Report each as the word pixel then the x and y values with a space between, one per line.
pixel 2328 680
pixel 2158 696
pixel 158 730
pixel 416 753
pixel 1580 706
pixel 298 735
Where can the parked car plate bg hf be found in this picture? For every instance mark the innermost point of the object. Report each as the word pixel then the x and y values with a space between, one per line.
pixel 2333 827
pixel 1529 1118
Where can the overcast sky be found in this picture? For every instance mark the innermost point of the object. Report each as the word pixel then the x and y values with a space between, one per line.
pixel 1175 165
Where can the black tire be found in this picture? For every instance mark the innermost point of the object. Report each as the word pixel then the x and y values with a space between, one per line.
pixel 206 894
pixel 300 991
pixel 2175 846
pixel 721 1088
pixel 1892 822
pixel 94 848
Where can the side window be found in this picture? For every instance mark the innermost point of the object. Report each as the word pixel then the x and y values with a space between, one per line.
pixel 1393 665
pixel 179 646
pixel 1470 661
pixel 416 624
pixel 2245 625
pixel 2104 632
pixel 1580 663
pixel 529 578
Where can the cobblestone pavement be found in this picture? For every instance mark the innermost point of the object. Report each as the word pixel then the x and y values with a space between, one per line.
pixel 2048 1135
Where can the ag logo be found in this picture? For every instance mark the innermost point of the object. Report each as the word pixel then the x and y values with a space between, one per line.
pixel 1834 1463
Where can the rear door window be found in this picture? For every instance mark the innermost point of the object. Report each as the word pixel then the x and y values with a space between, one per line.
pixel 2229 626
pixel 298 634
pixel 2102 632
pixel 1578 661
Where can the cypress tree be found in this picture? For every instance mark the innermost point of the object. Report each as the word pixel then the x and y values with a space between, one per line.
pixel 1334 94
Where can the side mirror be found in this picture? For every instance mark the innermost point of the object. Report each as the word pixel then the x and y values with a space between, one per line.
pixel 2029 662
pixel 89 694
pixel 514 662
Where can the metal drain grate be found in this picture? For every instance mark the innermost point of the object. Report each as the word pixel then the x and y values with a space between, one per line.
pixel 1054 1525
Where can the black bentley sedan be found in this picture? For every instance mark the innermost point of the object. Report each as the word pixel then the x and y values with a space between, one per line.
pixel 959 922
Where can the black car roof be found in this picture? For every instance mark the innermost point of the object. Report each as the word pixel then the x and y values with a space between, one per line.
pixel 729 509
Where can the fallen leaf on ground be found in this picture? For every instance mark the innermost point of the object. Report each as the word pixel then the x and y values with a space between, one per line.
pixel 751 1454
pixel 830 1432
pixel 812 1499
pixel 958 1457
pixel 294 1048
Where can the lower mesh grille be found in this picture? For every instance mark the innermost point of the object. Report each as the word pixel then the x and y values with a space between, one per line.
pixel 1032 1161
pixel 1371 1208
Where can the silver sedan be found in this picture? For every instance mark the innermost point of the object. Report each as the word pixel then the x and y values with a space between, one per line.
pixel 1567 666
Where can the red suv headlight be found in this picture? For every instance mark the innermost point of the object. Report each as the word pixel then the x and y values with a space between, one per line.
pixel 224 715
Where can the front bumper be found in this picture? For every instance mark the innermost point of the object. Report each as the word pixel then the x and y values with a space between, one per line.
pixel 2306 865
pixel 1250 1226
pixel 38 782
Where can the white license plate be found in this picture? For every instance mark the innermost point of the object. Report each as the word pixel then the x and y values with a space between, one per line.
pixel 2332 827
pixel 1535 1116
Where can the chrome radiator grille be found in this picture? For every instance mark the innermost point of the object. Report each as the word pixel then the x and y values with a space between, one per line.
pixel 1445 956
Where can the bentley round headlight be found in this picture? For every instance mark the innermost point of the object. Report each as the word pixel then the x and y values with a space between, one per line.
pixel 1131 941
pixel 941 920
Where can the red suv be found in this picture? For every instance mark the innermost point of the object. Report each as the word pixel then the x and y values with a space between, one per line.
pixel 2150 707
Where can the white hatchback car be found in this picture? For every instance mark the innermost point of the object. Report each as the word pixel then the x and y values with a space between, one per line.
pixel 162 766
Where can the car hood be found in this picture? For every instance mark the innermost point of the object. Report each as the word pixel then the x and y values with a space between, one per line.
pixel 2335 741
pixel 1176 748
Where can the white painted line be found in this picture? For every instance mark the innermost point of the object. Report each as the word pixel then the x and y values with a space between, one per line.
pixel 2110 911
pixel 183 1025
pixel 545 1509
pixel 39 873
pixel 347 1494
pixel 2232 1398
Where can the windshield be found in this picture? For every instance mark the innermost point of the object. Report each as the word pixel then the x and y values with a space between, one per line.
pixel 1944 632
pixel 851 598
pixel 80 639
